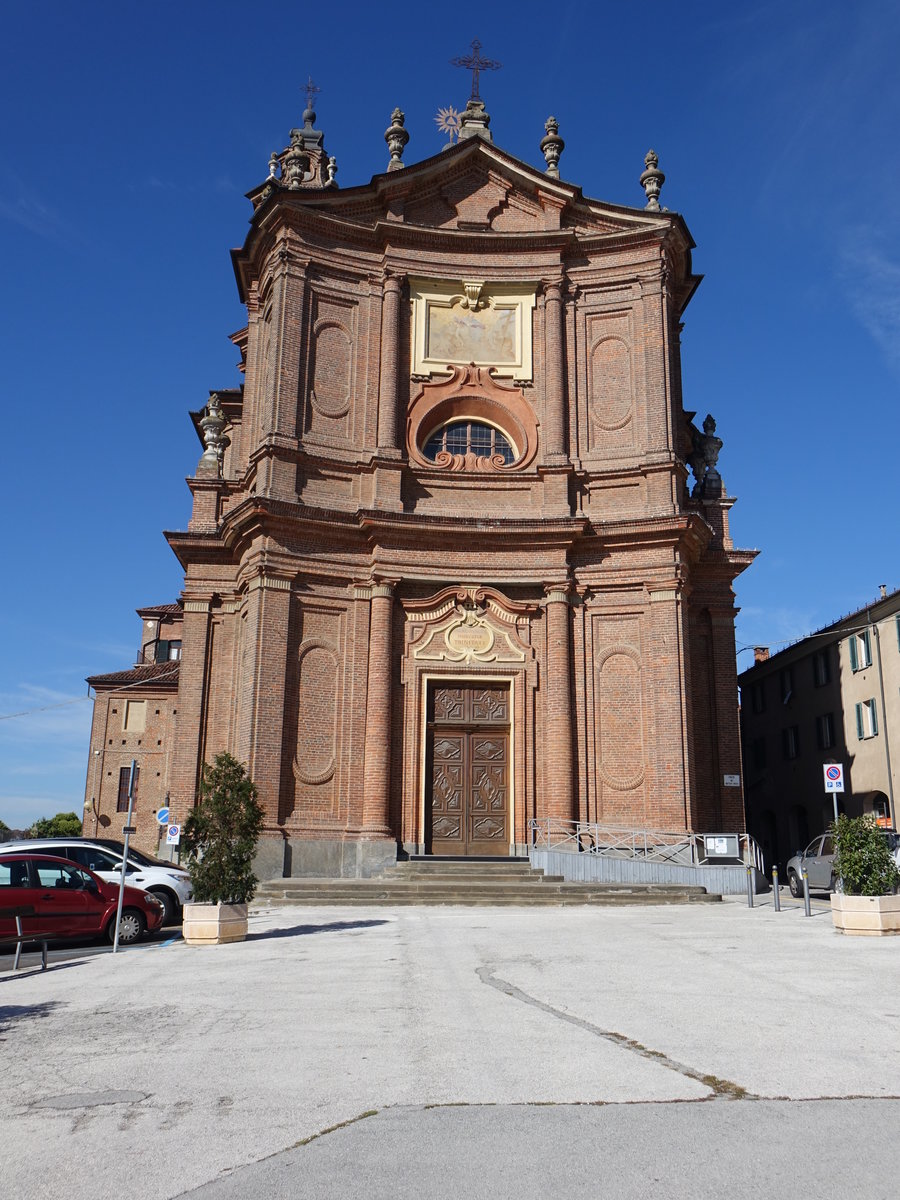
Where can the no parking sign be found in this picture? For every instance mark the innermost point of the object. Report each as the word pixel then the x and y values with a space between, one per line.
pixel 834 777
pixel 173 835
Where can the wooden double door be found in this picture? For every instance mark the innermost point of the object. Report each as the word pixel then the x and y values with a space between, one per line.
pixel 467 769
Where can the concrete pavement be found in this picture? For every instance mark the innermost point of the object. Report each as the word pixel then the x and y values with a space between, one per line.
pixel 670 1051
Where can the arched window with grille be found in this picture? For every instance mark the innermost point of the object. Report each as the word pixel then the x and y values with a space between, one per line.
pixel 469 444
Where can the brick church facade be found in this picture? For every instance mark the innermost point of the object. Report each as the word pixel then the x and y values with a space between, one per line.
pixel 447 570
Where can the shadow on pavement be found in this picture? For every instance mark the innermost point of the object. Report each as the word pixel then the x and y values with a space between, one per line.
pixel 21 1012
pixel 296 930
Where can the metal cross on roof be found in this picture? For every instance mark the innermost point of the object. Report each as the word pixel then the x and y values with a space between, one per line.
pixel 474 62
pixel 311 92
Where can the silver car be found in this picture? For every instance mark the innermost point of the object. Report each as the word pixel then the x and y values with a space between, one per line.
pixel 818 858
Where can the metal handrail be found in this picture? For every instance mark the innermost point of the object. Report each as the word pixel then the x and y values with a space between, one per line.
pixel 681 848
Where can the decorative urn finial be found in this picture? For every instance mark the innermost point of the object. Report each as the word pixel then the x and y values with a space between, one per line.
pixel 652 180
pixel 396 137
pixel 215 440
pixel 552 146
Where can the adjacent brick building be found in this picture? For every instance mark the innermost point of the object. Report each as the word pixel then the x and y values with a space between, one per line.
pixel 446 569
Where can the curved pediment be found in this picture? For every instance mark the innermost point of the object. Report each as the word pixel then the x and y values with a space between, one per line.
pixel 469 625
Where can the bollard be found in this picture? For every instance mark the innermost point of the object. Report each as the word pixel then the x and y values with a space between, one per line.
pixel 806 907
pixel 749 886
pixel 775 892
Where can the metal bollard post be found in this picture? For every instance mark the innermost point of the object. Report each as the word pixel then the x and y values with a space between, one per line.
pixel 775 892
pixel 806 907
pixel 749 886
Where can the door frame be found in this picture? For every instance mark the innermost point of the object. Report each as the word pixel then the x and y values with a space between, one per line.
pixel 428 678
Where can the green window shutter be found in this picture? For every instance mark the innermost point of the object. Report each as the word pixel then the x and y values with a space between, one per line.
pixel 859 722
pixel 854 659
pixel 873 711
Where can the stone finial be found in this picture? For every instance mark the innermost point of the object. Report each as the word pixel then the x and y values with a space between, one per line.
pixel 552 146
pixel 330 172
pixel 295 165
pixel 273 164
pixel 703 460
pixel 474 121
pixel 396 137
pixel 214 438
pixel 652 180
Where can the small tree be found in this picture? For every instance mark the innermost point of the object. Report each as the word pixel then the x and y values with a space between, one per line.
pixel 863 862
pixel 220 835
pixel 62 825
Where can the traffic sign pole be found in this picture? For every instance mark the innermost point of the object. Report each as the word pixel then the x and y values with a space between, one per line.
pixel 128 830
pixel 834 782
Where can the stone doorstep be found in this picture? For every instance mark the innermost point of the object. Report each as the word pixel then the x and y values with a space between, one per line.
pixel 472 882
pixel 322 899
pixel 346 893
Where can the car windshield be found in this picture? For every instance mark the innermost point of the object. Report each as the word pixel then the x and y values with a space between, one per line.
pixel 140 858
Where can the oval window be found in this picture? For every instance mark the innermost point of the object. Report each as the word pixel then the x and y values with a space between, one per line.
pixel 467 442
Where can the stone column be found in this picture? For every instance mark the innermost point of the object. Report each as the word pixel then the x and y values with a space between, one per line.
pixel 559 799
pixel 390 359
pixel 554 374
pixel 377 789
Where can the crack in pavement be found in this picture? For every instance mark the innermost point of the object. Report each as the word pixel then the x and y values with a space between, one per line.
pixel 723 1089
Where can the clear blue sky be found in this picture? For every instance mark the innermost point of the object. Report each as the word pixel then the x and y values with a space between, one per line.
pixel 132 131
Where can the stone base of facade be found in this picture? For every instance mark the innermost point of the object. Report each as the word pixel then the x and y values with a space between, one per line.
pixel 322 858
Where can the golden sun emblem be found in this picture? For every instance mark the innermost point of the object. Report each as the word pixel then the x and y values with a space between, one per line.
pixel 447 121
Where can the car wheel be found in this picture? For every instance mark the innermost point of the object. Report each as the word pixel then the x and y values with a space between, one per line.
pixel 167 900
pixel 795 884
pixel 131 927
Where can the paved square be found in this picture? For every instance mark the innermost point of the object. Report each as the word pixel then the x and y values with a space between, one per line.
pixel 171 1067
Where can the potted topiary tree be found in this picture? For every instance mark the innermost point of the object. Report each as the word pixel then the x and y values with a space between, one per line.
pixel 220 837
pixel 867 878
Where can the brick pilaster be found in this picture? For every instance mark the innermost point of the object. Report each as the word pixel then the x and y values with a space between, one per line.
pixel 377 793
pixel 555 379
pixel 559 798
pixel 192 676
pixel 264 661
pixel 390 356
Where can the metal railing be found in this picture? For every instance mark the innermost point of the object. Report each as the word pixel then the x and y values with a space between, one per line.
pixel 683 849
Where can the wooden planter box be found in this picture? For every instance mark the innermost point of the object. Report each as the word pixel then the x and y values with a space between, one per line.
pixel 213 924
pixel 867 916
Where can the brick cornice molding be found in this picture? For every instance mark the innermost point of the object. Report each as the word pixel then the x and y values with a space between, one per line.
pixel 275 583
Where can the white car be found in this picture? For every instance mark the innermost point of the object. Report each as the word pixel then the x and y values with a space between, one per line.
pixel 170 884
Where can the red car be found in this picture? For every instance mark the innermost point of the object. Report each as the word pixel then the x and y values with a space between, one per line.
pixel 70 901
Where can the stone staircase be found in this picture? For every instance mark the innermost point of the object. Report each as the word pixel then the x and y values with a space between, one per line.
pixel 470 881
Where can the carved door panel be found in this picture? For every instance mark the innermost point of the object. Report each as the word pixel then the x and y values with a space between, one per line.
pixel 448 788
pixel 468 771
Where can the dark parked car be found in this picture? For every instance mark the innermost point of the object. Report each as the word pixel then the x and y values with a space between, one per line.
pixel 70 901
